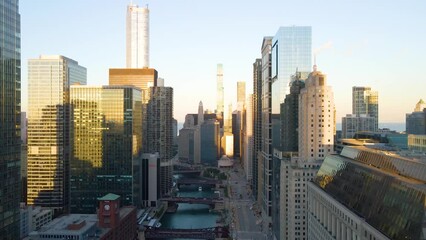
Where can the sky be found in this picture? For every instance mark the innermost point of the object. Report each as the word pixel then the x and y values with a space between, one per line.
pixel 377 43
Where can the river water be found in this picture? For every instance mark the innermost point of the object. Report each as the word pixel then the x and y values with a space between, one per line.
pixel 191 216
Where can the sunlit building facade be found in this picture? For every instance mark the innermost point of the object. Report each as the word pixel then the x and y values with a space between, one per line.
pixel 107 138
pixel 142 78
pixel 49 129
pixel 137 37
pixel 241 95
pixel 316 130
pixel 366 101
pixel 10 108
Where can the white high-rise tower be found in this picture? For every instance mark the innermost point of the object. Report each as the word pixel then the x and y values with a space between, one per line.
pixel 137 37
pixel 220 96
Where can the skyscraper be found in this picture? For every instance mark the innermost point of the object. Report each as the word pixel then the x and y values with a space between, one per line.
pixel 247 138
pixel 49 131
pixel 241 95
pixel 142 79
pixel 137 37
pixel 316 118
pixel 220 97
pixel 365 101
pixel 209 142
pixel 290 115
pixel 107 139
pixel 291 51
pixel 265 160
pixel 160 132
pixel 10 108
pixel 257 122
pixel 316 139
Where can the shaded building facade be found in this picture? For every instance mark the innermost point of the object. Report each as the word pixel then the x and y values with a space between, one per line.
pixel 10 108
pixel 290 115
pixel 49 129
pixel 257 122
pixel 160 132
pixel 210 142
pixel 415 122
pixel 264 196
pixel 107 138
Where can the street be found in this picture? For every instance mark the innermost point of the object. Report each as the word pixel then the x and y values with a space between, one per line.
pixel 245 224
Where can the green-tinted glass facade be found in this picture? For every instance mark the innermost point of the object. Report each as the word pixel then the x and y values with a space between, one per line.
pixel 10 108
pixel 372 185
pixel 107 137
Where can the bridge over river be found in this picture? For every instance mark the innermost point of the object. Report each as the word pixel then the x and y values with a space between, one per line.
pixel 202 233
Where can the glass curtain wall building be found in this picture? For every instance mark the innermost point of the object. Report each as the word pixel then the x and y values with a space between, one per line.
pixel 10 108
pixel 49 130
pixel 107 127
pixel 291 52
pixel 367 194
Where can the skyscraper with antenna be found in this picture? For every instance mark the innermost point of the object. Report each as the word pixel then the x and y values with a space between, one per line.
pixel 137 36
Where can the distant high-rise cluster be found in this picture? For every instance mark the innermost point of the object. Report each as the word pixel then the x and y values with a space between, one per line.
pixel 87 141
pixel 365 112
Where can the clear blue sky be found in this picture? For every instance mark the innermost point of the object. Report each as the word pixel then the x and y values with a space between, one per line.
pixel 373 43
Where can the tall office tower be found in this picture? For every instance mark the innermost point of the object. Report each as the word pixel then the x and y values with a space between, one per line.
pixel 137 37
pixel 236 131
pixel 186 144
pixel 209 142
pixel 257 122
pixel 220 101
pixel 316 118
pixel 265 159
pixel 247 137
pixel 10 108
pixel 197 134
pixel 241 95
pixel 228 120
pixel 291 51
pixel 316 139
pixel 107 138
pixel 415 122
pixel 140 78
pixel 367 194
pixel 290 115
pixel 200 113
pixel 160 136
pixel 352 124
pixel 365 101
pixel 49 129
